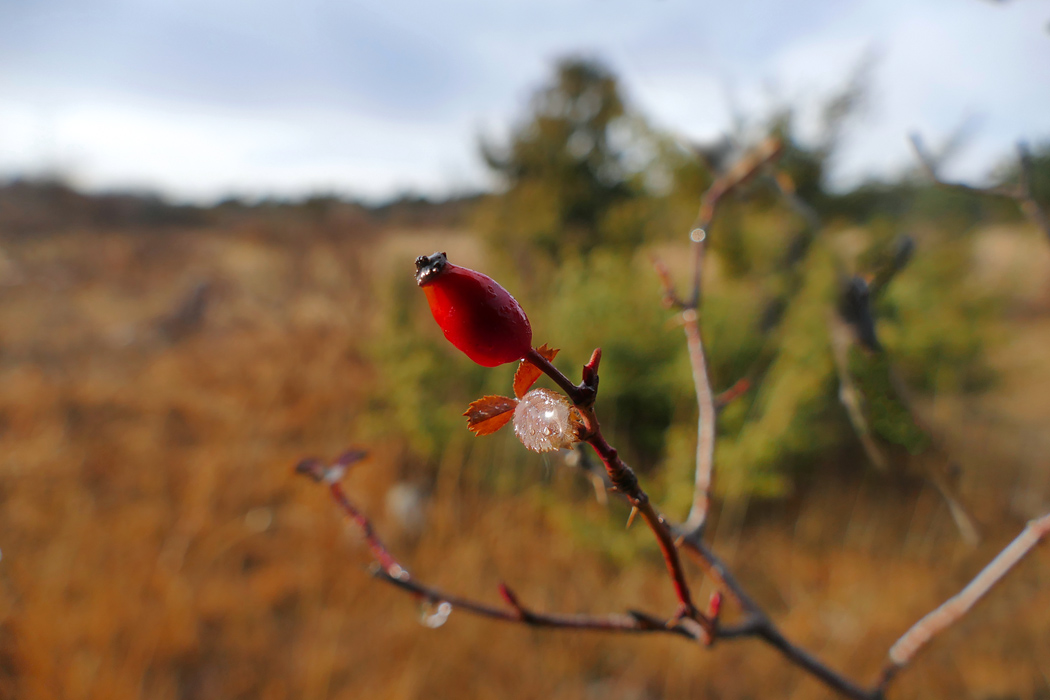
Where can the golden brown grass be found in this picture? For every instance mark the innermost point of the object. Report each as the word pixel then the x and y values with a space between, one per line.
pixel 156 544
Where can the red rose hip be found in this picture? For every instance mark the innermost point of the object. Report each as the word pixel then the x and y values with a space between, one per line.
pixel 478 316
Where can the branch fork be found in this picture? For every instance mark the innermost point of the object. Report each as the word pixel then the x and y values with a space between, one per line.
pixel 688 621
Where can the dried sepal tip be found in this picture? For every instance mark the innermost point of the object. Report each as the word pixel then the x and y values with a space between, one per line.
pixel 528 373
pixel 545 420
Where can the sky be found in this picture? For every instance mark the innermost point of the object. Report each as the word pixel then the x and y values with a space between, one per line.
pixel 199 100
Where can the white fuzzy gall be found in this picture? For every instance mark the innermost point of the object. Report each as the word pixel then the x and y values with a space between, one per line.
pixel 545 420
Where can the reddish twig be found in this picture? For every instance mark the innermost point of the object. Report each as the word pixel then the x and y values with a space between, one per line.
pixel 392 572
pixel 739 388
pixel 756 623
pixel 331 474
pixel 688 622
pixel 624 479
pixel 631 622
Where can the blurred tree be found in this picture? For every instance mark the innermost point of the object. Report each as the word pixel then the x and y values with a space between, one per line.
pixel 570 168
pixel 1040 165
pixel 587 185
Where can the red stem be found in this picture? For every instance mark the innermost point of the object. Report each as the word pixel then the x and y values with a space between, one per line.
pixel 624 479
pixel 379 550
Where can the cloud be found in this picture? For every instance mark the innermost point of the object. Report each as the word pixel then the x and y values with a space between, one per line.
pixel 202 98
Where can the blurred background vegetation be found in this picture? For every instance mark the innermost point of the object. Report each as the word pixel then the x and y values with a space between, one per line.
pixel 163 368
pixel 591 193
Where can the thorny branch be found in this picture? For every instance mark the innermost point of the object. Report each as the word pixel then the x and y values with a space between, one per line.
pixel 756 622
pixel 389 570
pixel 1020 193
pixel 688 622
pixel 624 480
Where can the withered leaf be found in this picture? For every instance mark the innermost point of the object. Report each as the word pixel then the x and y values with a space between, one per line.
pixel 489 414
pixel 528 373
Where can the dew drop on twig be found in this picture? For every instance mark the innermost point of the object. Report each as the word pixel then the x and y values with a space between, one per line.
pixel 258 520
pixel 434 616
pixel 545 420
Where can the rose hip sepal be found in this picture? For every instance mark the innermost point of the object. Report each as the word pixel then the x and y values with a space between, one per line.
pixel 478 316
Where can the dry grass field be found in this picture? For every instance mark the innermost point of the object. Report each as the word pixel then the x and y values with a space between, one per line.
pixel 158 383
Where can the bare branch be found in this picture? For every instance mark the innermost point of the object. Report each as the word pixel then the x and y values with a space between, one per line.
pixel 705 441
pixel 844 331
pixel 389 570
pixel 840 336
pixel 1032 209
pixel 1021 193
pixel 632 622
pixel 689 622
pixel 625 481
pixel 758 624
pixel 783 184
pixel 696 627
pixel 905 648
pixel 331 475
pixel 744 170
pixel 964 522
pixel 930 168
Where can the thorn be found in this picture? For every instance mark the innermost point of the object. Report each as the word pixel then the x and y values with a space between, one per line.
pixel 630 518
pixel 508 596
pixel 590 370
pixel 714 606
pixel 678 541
pixel 511 599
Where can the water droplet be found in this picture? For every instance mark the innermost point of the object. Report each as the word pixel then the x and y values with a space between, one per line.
pixel 697 235
pixel 259 519
pixel 545 420
pixel 434 616
pixel 397 572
